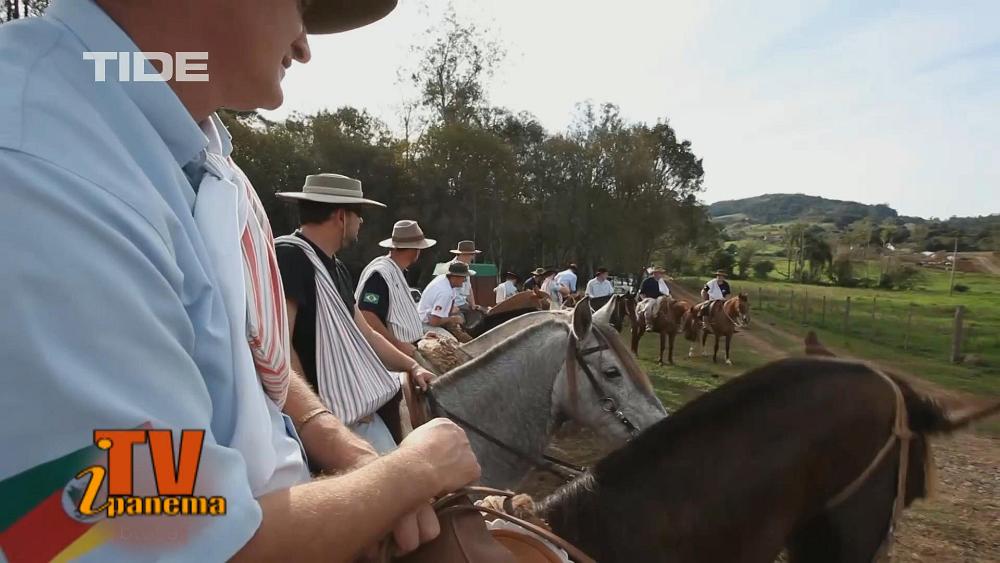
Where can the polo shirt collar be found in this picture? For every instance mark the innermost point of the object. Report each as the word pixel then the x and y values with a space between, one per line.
pixel 156 100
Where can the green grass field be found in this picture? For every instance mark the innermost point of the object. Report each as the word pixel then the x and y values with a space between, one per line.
pixel 782 336
pixel 915 323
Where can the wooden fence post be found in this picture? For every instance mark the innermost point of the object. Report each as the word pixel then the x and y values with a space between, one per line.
pixel 823 318
pixel 847 317
pixel 791 304
pixel 956 337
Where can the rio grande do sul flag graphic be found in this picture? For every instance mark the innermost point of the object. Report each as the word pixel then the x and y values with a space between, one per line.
pixel 36 522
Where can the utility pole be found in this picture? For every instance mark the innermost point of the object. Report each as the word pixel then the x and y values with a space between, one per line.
pixel 954 264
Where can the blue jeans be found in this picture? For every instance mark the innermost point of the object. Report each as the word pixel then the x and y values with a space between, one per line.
pixel 375 433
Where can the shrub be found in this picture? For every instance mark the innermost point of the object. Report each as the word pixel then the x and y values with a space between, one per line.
pixel 906 277
pixel 762 269
pixel 962 288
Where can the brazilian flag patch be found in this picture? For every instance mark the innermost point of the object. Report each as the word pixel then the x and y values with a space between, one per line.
pixel 371 298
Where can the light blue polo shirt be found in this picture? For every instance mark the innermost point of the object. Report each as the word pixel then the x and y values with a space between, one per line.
pixel 109 317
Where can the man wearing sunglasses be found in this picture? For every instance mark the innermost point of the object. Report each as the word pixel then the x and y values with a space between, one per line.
pixel 143 292
pixel 352 380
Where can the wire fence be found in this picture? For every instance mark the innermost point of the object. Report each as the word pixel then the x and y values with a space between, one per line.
pixel 942 332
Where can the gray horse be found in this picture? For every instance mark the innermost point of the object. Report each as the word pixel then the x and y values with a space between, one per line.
pixel 535 374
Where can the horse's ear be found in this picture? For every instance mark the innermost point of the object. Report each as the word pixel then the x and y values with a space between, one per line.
pixel 815 348
pixel 583 319
pixel 603 315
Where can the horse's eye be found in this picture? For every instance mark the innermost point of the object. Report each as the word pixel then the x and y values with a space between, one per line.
pixel 612 373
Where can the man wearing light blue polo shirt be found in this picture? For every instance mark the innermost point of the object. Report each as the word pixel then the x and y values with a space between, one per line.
pixel 125 303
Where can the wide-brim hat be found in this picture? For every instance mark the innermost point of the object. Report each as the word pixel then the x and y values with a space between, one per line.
pixel 657 269
pixel 721 273
pixel 459 269
pixel 331 188
pixel 407 234
pixel 466 247
pixel 511 275
pixel 334 16
pixel 538 272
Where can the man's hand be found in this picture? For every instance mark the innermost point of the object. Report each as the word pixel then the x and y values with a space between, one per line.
pixel 420 376
pixel 416 529
pixel 443 448
pixel 455 320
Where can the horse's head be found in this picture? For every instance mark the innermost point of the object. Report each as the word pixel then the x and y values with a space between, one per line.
pixel 743 309
pixel 602 386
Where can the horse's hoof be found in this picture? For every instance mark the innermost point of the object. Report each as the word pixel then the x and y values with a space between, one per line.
pixel 729 362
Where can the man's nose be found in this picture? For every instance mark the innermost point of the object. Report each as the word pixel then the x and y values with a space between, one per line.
pixel 300 48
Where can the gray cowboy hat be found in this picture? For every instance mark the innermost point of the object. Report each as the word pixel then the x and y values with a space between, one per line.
pixel 331 188
pixel 460 269
pixel 538 272
pixel 466 247
pixel 334 16
pixel 407 234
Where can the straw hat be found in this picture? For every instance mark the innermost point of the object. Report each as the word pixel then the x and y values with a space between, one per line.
pixel 331 188
pixel 334 16
pixel 407 234
pixel 466 247
pixel 538 272
pixel 657 269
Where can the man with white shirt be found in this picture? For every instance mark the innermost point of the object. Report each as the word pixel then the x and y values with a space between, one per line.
pixel 183 325
pixel 507 289
pixel 437 303
pixel 567 280
pixel 599 289
pixel 715 291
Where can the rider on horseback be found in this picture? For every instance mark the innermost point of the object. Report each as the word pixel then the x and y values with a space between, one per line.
pixel 652 290
pixel 717 289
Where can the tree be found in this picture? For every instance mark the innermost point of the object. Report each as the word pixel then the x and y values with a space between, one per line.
pixel 745 257
pixel 16 9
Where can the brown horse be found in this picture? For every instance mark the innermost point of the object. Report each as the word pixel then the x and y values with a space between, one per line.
pixel 722 321
pixel 668 323
pixel 818 456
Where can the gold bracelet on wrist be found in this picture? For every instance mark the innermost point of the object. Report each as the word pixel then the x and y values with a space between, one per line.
pixel 304 419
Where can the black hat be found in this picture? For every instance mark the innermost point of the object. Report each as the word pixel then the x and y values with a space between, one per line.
pixel 460 269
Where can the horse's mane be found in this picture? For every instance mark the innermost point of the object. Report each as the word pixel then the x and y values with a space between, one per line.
pixel 500 348
pixel 732 398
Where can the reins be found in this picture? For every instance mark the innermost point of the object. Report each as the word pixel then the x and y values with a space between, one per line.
pixel 562 469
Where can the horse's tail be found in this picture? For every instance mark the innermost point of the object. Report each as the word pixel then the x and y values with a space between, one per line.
pixel 689 324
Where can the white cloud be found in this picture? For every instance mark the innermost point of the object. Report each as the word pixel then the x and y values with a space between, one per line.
pixel 875 103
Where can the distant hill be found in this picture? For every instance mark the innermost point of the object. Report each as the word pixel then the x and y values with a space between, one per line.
pixel 769 210
pixel 785 208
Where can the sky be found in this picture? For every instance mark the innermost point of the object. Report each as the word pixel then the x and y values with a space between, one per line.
pixel 874 101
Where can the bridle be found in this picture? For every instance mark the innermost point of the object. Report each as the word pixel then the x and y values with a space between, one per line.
pixel 605 401
pixel 552 464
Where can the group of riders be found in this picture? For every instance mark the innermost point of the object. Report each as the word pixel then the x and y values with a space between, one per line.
pixel 560 289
